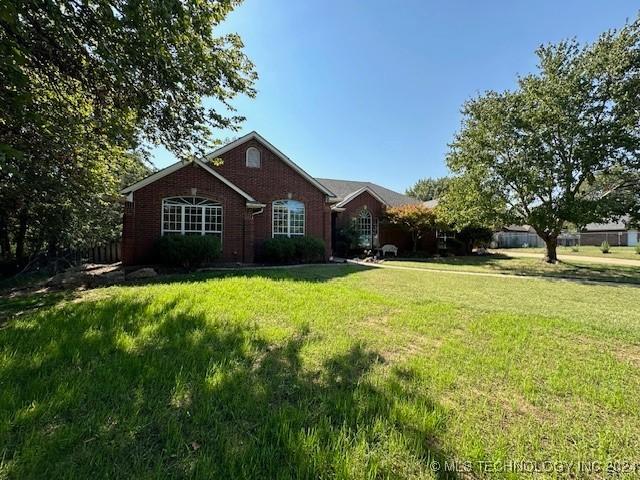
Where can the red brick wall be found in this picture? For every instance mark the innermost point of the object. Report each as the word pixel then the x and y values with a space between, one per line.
pixel 275 180
pixel 145 227
pixel 352 209
pixel 243 232
pixel 392 234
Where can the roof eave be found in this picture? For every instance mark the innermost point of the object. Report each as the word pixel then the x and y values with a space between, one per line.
pixel 256 136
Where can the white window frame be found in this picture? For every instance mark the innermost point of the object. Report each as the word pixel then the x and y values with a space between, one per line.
pixel 287 204
pixel 365 214
pixel 246 157
pixel 204 204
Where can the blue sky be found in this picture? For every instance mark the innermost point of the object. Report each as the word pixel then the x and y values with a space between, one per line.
pixel 372 90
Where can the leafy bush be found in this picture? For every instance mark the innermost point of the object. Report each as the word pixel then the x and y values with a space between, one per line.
pixel 308 249
pixel 347 238
pixel 637 249
pixel 293 250
pixel 472 237
pixel 278 250
pixel 189 251
pixel 604 247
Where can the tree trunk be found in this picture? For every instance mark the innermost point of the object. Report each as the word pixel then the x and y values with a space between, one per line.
pixel 5 243
pixel 414 238
pixel 52 254
pixel 551 243
pixel 20 237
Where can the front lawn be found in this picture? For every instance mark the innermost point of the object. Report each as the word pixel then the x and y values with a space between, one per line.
pixel 497 263
pixel 333 371
pixel 585 251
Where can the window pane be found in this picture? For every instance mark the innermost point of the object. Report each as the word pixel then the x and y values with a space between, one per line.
pixel 288 218
pixel 280 219
pixel 172 218
pixel 297 222
pixel 253 157
pixel 364 225
pixel 193 219
pixel 213 220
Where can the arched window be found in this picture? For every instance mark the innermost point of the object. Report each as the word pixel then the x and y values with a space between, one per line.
pixel 364 224
pixel 253 157
pixel 288 218
pixel 191 216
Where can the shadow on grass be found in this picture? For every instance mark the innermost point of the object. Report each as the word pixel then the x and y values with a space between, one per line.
pixel 122 387
pixel 12 306
pixel 297 273
pixel 19 302
pixel 526 266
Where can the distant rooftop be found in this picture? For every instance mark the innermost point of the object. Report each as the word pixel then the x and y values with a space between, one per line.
pixel 343 188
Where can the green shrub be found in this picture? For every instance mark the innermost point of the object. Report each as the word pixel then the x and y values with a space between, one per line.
pixel 637 249
pixel 293 250
pixel 604 247
pixel 347 238
pixel 278 250
pixel 189 251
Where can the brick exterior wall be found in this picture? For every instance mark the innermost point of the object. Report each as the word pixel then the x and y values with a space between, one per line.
pixel 387 233
pixel 244 229
pixel 275 180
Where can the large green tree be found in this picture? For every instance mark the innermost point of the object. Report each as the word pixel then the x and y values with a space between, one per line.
pixel 561 148
pixel 84 85
pixel 429 188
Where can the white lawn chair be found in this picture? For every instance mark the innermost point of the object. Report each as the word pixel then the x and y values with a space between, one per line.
pixel 388 248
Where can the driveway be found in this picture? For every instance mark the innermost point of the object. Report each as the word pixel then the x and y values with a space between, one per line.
pixel 577 258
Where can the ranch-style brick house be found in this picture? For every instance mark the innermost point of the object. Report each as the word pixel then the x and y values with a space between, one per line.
pixel 246 192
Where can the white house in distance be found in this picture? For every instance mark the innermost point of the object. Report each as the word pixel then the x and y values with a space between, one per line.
pixel 615 233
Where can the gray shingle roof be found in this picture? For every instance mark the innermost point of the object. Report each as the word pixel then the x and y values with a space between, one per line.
pixel 343 188
pixel 621 224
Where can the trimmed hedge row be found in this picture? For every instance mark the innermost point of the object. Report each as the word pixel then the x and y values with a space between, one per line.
pixel 293 250
pixel 189 251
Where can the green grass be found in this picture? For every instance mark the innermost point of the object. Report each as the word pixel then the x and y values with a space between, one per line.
pixel 528 266
pixel 319 372
pixel 587 251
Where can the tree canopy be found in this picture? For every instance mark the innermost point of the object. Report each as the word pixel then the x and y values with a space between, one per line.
pixel 429 188
pixel 417 219
pixel 86 87
pixel 561 148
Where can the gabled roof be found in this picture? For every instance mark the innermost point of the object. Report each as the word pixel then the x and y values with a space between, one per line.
pixel 177 166
pixel 353 195
pixel 349 189
pixel 256 136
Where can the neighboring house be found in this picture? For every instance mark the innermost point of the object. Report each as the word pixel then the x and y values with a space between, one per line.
pixel 252 192
pixel 515 236
pixel 615 233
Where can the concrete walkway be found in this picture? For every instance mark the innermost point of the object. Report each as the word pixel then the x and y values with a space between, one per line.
pixel 578 258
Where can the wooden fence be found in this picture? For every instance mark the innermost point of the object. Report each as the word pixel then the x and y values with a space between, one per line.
pixel 109 252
